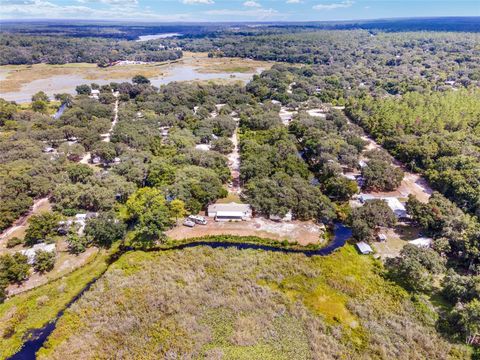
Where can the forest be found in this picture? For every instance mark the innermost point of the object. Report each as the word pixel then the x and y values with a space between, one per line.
pixel 22 49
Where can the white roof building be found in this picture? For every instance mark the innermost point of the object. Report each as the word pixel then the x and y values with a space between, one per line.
pixel 393 203
pixel 31 252
pixel 364 248
pixel 422 242
pixel 230 212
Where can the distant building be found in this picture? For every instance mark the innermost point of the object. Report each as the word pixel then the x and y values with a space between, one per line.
pixel 95 93
pixel 230 212
pixel 422 242
pixel 382 237
pixel 364 248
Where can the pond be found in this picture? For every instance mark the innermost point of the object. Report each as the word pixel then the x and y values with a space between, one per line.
pixel 37 337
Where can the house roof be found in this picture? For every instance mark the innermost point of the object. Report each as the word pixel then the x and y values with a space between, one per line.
pixel 230 213
pixel 393 203
pixel 422 242
pixel 364 247
pixel 231 207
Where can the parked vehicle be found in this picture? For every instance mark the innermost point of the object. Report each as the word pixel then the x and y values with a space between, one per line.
pixel 189 223
pixel 197 219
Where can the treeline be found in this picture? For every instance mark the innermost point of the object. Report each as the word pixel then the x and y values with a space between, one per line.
pixel 434 133
pixel 21 49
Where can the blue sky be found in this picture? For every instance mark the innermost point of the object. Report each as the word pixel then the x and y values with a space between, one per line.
pixel 234 10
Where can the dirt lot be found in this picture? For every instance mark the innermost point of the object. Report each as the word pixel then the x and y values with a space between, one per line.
pixel 397 238
pixel 303 232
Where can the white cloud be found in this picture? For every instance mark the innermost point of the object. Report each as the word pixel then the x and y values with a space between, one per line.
pixel 38 9
pixel 332 6
pixel 195 2
pixel 294 1
pixel 251 3
pixel 111 2
pixel 259 14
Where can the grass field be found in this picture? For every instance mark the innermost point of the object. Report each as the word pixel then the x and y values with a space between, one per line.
pixel 35 308
pixel 13 77
pixel 246 304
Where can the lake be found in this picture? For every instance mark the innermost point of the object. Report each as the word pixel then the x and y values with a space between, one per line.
pixel 67 83
pixel 157 36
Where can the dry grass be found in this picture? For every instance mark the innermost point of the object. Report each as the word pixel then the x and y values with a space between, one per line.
pixel 244 304
pixel 17 76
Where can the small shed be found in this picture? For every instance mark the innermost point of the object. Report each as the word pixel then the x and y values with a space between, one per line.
pixel 382 237
pixel 364 248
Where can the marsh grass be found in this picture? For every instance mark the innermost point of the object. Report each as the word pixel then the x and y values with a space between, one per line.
pixel 245 304
pixel 34 308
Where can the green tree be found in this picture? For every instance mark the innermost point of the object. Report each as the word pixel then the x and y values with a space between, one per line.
pixel 76 244
pixel 366 219
pixel 105 151
pixel 14 268
pixel 44 261
pixel 223 145
pixel 340 188
pixel 379 175
pixel 177 209
pixel 148 211
pixel 40 96
pixel 83 89
pixel 105 229
pixel 42 227
pixel 140 79
pixel 415 267
pixel 79 172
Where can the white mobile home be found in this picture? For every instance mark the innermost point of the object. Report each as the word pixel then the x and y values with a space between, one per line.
pixel 230 212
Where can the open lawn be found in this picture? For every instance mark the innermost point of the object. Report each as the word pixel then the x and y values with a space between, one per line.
pixel 245 304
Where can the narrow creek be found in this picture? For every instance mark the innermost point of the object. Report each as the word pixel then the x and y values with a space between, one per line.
pixel 37 337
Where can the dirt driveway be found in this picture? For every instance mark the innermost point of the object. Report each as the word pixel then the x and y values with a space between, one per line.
pixel 304 232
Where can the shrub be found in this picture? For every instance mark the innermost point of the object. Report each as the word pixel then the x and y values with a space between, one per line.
pixel 14 241
pixel 44 261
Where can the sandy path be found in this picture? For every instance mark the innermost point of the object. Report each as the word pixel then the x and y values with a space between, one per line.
pixel 108 135
pixel 234 165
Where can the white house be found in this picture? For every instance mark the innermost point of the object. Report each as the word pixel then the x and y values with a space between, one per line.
pixel 230 212
pixel 95 93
